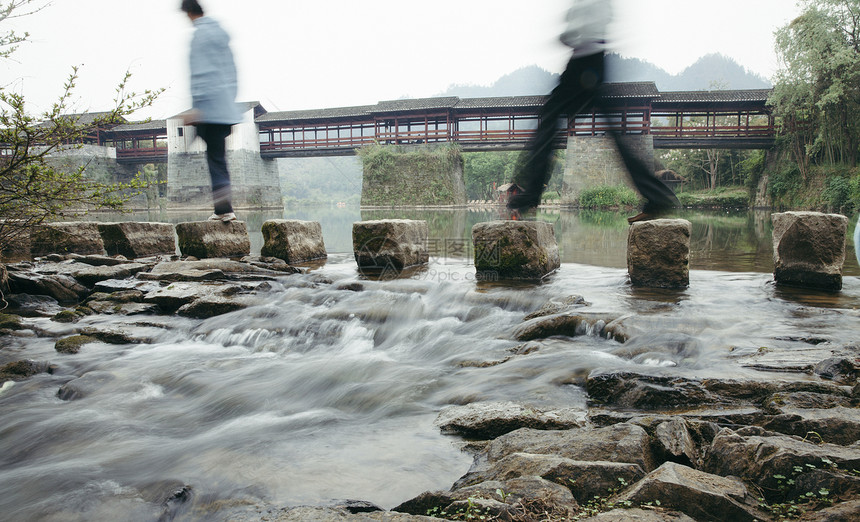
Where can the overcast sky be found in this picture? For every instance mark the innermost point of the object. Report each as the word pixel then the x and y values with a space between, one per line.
pixel 294 54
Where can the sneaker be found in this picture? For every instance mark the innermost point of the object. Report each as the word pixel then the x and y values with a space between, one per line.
pixel 229 216
pixel 215 217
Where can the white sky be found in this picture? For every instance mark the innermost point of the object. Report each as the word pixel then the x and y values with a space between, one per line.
pixel 304 54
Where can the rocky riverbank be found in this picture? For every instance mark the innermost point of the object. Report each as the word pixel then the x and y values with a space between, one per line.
pixel 663 444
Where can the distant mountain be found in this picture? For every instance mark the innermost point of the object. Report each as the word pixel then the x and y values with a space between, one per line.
pixel 710 72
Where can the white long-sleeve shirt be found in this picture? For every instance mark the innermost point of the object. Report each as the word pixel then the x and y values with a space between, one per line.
pixel 587 24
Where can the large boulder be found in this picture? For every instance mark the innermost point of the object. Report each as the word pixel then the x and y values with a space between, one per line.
pixel 515 249
pixel 809 249
pixel 698 494
pixel 203 239
pixel 658 253
pixel 618 443
pixel 292 240
pixel 776 462
pixel 69 237
pixel 61 287
pixel 134 240
pixel 390 243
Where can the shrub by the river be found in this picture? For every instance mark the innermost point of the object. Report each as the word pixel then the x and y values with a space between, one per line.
pixel 608 197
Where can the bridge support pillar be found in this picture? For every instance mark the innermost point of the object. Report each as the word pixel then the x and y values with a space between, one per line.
pixel 593 161
pixel 414 175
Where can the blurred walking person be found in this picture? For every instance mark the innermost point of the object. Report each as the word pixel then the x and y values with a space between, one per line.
pixel 578 91
pixel 213 101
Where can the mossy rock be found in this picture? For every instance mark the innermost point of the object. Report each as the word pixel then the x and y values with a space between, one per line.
pixel 10 322
pixel 73 344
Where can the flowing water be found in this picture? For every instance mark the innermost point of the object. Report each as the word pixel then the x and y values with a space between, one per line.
pixel 318 392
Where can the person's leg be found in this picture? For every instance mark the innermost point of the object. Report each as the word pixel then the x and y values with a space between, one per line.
pixel 215 137
pixel 575 92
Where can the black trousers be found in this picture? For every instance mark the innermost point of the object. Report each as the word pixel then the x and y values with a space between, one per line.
pixel 578 91
pixel 215 137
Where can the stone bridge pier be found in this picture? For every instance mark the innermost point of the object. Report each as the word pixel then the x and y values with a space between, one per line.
pixel 594 161
pixel 255 181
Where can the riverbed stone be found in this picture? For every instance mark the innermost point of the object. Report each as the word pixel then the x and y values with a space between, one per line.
pixel 138 239
pixel 569 324
pixel 293 240
pixel 618 443
pixel 769 460
pixel 515 249
pixel 700 495
pixel 61 287
pixel 23 369
pixel 77 237
pixel 204 239
pixel 658 253
pixel 390 244
pixel 211 306
pixel 809 249
pixel 89 275
pixel 639 515
pixel 488 420
pixel 585 479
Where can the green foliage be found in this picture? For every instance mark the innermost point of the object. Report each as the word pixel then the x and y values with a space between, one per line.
pixel 817 91
pixel 484 170
pixel 411 176
pixel 724 197
pixel 608 197
pixel 33 189
pixel 321 180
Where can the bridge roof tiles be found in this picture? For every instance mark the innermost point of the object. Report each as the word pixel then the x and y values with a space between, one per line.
pixel 141 126
pixel 631 90
pixel 746 95
pixel 447 102
pixel 501 102
pixel 317 114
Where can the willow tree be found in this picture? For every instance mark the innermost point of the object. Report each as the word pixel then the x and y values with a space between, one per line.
pixel 817 90
pixel 32 188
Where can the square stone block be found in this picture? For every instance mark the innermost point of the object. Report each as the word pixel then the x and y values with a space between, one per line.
pixel 203 239
pixel 809 249
pixel 72 237
pixel 134 240
pixel 658 253
pixel 292 240
pixel 515 249
pixel 390 243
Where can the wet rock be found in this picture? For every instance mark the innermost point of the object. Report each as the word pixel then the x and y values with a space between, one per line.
pixel 34 305
pixel 658 253
pixel 838 369
pixel 89 275
pixel 292 240
pixel 809 249
pixel 173 296
pixel 618 443
pixel 70 237
pixel 674 442
pixel 205 239
pixel 134 240
pixel 770 460
pixel 554 307
pixel 515 249
pixel 114 335
pixel 93 259
pixel 639 515
pixel 73 344
pixel 206 270
pixel 700 495
pixel 4 280
pixel 661 391
pixel 61 287
pixel 585 479
pixel 20 370
pixel 85 385
pixel 844 512
pixel 116 285
pixel 837 425
pixel 488 420
pixel 568 324
pixel 495 498
pixel 211 306
pixel 392 244
pixel 10 322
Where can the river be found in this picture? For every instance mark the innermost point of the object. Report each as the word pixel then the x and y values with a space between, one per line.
pixel 318 393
